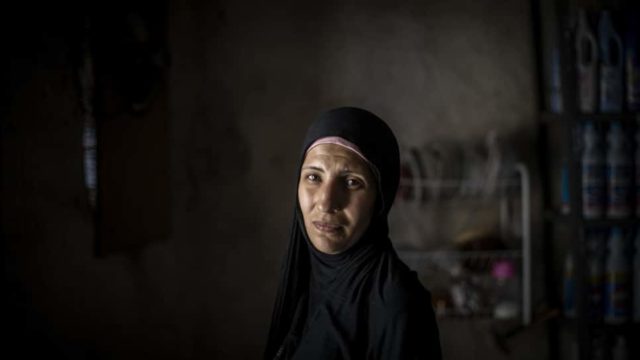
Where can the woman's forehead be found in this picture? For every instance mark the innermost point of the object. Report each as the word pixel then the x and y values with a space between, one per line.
pixel 325 154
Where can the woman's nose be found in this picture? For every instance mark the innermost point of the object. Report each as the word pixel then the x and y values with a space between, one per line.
pixel 330 197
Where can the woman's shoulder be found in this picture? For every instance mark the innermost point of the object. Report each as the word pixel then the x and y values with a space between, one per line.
pixel 396 286
pixel 402 322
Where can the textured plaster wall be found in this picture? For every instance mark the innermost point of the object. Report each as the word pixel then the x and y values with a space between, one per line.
pixel 246 78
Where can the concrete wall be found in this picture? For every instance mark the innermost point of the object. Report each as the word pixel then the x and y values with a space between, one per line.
pixel 246 78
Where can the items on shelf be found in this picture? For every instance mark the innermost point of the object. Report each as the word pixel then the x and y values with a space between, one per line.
pixel 507 290
pixel 447 169
pixel 607 174
pixel 480 269
pixel 593 174
pixel 599 174
pixel 555 83
pixel 632 62
pixel 616 283
pixel 606 346
pixel 587 64
pixel 595 240
pixel 608 68
pixel 612 277
pixel 619 174
pixel 610 65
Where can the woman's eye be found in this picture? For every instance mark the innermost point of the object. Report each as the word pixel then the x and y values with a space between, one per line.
pixel 313 177
pixel 354 183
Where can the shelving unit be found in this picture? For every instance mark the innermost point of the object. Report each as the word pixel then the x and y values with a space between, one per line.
pixel 560 138
pixel 516 186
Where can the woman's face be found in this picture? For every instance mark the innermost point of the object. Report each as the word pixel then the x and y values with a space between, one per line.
pixel 337 194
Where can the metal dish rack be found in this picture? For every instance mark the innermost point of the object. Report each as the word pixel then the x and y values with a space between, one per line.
pixel 470 270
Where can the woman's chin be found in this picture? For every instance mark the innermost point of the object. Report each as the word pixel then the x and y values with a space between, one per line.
pixel 330 246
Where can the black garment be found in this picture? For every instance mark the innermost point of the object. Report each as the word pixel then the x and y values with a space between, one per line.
pixel 363 303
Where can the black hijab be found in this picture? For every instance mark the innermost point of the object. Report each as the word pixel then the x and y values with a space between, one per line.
pixel 317 289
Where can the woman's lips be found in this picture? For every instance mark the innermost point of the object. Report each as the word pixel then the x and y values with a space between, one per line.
pixel 326 227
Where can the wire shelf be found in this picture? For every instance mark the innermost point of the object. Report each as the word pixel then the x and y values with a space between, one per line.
pixel 465 281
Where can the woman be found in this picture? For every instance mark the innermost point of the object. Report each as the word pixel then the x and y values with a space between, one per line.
pixel 344 294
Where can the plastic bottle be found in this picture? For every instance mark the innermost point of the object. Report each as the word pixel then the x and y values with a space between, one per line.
pixel 620 349
pixel 595 267
pixel 610 65
pixel 632 62
pixel 636 277
pixel 593 174
pixel 587 64
pixel 507 290
pixel 616 294
pixel 555 82
pixel 619 174
pixel 569 287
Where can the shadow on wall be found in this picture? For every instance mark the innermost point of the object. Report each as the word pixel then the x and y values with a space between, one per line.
pixel 244 81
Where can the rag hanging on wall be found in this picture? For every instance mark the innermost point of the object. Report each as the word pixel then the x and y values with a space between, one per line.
pixel 123 94
pixel 86 83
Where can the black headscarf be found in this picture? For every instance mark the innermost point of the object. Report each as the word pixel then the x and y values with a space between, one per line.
pixel 316 288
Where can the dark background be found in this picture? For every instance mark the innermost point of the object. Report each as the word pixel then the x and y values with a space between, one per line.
pixel 196 187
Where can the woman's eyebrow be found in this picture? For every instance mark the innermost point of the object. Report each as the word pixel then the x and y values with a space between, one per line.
pixel 312 167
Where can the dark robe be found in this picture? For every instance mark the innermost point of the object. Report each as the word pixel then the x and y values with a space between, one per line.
pixel 363 303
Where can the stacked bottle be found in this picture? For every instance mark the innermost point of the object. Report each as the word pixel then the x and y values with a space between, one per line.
pixel 612 281
pixel 632 62
pixel 607 64
pixel 619 174
pixel 587 64
pixel 608 174
pixel 593 174
pixel 616 275
pixel 608 81
pixel 610 65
